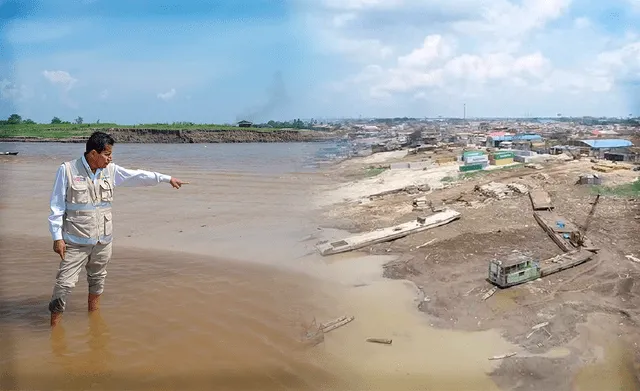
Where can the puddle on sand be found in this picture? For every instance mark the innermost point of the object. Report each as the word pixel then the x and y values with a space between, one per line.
pixel 420 357
pixel 612 363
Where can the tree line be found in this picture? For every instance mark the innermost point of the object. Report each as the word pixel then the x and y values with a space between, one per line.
pixel 16 119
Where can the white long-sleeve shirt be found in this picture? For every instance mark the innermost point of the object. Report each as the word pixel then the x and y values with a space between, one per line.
pixel 123 177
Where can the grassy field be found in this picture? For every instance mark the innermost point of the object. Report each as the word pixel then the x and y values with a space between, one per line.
pixel 73 130
pixel 628 190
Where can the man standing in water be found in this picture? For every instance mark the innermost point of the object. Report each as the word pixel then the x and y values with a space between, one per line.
pixel 81 221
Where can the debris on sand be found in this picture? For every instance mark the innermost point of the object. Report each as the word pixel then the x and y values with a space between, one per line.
pixel 518 188
pixel 490 293
pixel 538 327
pixel 422 203
pixel 387 234
pixel 314 334
pixel 494 190
pixel 502 356
pixel 380 341
pixel 633 259
pixel 334 324
pixel 426 244
pixel 500 190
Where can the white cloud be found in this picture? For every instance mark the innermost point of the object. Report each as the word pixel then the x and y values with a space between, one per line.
pixel 166 96
pixel 496 50
pixel 61 78
pixel 432 49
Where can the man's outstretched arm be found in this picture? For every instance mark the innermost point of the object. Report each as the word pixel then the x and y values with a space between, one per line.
pixel 135 178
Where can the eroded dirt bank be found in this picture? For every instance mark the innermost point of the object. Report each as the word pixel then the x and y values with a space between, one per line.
pixel 174 136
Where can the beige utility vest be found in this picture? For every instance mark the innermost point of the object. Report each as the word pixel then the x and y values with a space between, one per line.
pixel 87 218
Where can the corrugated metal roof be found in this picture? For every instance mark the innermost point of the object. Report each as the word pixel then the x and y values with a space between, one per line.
pixel 611 143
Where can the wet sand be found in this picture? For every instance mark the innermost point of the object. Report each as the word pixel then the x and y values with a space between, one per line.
pixel 208 288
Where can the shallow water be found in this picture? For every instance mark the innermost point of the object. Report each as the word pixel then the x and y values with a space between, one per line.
pixel 181 320
pixel 170 320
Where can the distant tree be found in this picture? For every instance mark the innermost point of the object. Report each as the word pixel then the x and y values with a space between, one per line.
pixel 415 137
pixel 29 121
pixel 79 120
pixel 56 120
pixel 98 122
pixel 14 119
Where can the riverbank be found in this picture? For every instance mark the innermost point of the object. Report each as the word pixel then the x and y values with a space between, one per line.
pixel 79 134
pixel 589 313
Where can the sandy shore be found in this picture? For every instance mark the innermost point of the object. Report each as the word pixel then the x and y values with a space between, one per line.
pixel 212 286
pixel 591 310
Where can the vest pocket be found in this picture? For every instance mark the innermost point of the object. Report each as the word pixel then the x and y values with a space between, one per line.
pixel 80 194
pixel 106 192
pixel 79 225
pixel 108 224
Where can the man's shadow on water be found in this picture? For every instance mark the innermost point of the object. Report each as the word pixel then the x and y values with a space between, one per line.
pixel 29 313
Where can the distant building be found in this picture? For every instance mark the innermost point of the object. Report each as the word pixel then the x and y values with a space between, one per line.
pixel 496 141
pixel 245 124
pixel 601 144
pixel 611 149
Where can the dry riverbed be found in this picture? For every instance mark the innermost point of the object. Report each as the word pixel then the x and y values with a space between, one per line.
pixel 590 312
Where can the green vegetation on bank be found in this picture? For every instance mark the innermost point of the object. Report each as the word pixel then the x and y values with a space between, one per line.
pixel 16 126
pixel 626 190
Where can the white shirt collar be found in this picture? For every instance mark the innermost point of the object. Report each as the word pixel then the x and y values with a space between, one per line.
pixel 86 165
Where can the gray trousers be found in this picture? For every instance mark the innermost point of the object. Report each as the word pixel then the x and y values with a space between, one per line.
pixel 94 258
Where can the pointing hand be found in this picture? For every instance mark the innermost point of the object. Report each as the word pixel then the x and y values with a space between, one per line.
pixel 177 183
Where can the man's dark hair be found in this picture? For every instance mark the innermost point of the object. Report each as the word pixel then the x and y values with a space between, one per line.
pixel 99 141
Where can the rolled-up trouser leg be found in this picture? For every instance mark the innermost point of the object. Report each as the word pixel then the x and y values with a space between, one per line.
pixel 75 258
pixel 97 267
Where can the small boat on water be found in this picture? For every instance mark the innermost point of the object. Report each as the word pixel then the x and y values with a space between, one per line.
pixel 8 153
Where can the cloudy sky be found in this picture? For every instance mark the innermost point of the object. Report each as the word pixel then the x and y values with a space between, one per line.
pixel 147 61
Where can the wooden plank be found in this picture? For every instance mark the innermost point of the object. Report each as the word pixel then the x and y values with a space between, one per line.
pixel 547 220
pixel 566 261
pixel 540 200
pixel 387 234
